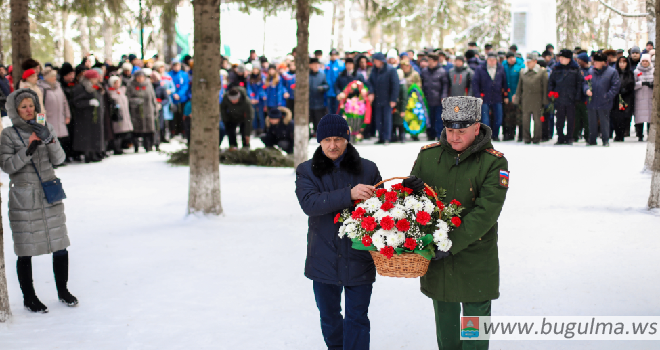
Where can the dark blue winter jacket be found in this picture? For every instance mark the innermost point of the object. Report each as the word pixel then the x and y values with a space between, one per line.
pixel 344 79
pixel 275 94
pixel 323 191
pixel 181 82
pixel 566 80
pixel 435 84
pixel 492 90
pixel 317 88
pixel 384 84
pixel 605 86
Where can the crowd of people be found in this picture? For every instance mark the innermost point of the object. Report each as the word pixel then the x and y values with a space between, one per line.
pixel 100 108
pixel 579 95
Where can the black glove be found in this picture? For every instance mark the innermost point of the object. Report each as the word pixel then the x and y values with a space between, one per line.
pixel 42 132
pixel 33 147
pixel 414 183
pixel 439 254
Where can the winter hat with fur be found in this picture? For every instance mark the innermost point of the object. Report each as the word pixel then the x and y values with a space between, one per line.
pixel 127 66
pixel 646 57
pixel 112 80
pixel 460 112
pixel 28 73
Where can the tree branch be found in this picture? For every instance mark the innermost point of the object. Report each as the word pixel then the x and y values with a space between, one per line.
pixel 622 14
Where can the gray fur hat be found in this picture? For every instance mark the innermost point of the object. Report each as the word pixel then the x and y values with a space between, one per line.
pixel 460 112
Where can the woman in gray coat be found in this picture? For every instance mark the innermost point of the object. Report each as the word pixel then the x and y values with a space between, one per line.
pixel 643 95
pixel 37 227
pixel 143 109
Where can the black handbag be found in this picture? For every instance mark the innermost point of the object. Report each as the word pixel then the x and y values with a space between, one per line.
pixel 52 188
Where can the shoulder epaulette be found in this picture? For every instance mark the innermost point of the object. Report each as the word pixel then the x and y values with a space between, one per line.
pixel 497 154
pixel 430 146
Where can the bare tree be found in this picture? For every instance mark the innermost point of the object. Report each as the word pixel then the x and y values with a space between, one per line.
pixel 204 189
pixel 20 36
pixel 5 311
pixel 301 129
pixel 654 196
pixel 341 17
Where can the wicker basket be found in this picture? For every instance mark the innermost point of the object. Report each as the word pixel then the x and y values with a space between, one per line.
pixel 407 265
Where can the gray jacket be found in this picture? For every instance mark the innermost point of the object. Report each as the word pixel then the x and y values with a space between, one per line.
pixel 37 227
pixel 460 80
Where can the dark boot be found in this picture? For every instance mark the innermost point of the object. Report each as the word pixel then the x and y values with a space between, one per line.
pixel 61 271
pixel 520 133
pixel 30 300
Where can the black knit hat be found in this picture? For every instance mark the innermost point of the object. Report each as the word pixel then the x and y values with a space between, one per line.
pixel 313 60
pixel 349 60
pixel 66 69
pixel 332 125
pixel 566 53
pixel 274 113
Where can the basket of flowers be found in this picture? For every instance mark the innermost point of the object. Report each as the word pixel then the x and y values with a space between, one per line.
pixel 401 229
pixel 416 113
pixel 355 107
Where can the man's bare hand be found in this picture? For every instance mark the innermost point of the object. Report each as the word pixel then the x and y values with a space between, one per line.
pixel 362 192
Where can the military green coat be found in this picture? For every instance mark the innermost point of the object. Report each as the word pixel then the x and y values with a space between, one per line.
pixel 478 178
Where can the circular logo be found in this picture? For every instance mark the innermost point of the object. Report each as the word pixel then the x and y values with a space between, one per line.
pixel 456 109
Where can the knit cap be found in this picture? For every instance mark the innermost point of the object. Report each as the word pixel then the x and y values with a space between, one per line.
pixel 332 125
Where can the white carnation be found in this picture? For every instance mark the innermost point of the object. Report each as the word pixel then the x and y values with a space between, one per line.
pixel 439 236
pixel 351 230
pixel 444 245
pixel 378 240
pixel 398 212
pixel 409 202
pixel 429 207
pixel 443 226
pixel 418 206
pixel 372 205
pixel 380 214
pixel 396 239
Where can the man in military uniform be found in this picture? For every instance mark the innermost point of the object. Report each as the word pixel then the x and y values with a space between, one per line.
pixel 465 164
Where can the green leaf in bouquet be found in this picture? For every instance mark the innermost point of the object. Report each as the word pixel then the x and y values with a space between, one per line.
pixel 357 245
pixel 427 253
pixel 426 240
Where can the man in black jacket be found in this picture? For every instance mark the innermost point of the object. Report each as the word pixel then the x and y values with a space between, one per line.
pixel 279 130
pixel 236 111
pixel 436 87
pixel 566 80
pixel 384 95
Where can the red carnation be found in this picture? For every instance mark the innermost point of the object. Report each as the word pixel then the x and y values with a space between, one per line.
pixel 456 221
pixel 159 100
pixel 241 84
pixel 455 202
pixel 397 187
pixel 293 86
pixel 407 190
pixel 391 196
pixel 403 225
pixel 387 251
pixel 429 192
pixel 411 243
pixel 542 119
pixel 423 217
pixel 588 77
pixel 638 74
pixel 358 214
pixel 369 223
pixel 366 241
pixel 387 206
pixel 440 205
pixel 387 223
pixel 482 94
pixel 356 202
pixel 380 192
pixel 337 217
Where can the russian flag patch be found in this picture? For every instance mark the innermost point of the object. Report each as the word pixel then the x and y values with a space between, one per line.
pixel 504 178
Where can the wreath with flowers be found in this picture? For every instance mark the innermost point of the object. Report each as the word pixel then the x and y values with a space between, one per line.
pixel 416 113
pixel 398 221
pixel 355 103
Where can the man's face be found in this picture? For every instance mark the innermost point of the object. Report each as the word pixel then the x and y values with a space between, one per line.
pixel 314 67
pixel 69 77
pixel 547 58
pixel 635 56
pixel 599 64
pixel 511 60
pixel 441 59
pixel 363 63
pixel 3 72
pixel 564 60
pixel 334 147
pixel 461 139
pixel 551 50
pixel 433 63
pixel 378 64
pixel 649 47
pixel 423 64
pixel 491 61
pixel 274 121
pixel 406 68
pixel 611 58
pixel 531 64
pixel 334 57
pixel 350 67
pixel 392 61
pixel 176 67
pixel 458 63
pixel 411 55
pixel 253 55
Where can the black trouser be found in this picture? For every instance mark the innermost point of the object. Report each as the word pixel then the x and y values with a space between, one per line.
pixel 596 115
pixel 118 142
pixel 147 141
pixel 176 124
pixel 639 129
pixel 290 104
pixel 619 122
pixel 315 116
pixel 271 140
pixel 230 129
pixel 565 114
pixel 65 142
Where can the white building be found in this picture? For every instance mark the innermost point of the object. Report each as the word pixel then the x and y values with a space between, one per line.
pixel 534 25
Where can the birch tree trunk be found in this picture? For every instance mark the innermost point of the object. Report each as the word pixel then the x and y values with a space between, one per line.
pixel 84 36
pixel 67 52
pixel 301 129
pixel 654 196
pixel 20 36
pixel 5 311
pixel 108 35
pixel 334 21
pixel 204 189
pixel 342 27
pixel 650 145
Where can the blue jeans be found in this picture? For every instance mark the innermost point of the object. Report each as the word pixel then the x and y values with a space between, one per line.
pixel 259 122
pixel 435 117
pixel 333 104
pixel 383 116
pixel 352 332
pixel 497 116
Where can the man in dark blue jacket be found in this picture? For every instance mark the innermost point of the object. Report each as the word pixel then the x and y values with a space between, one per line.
pixel 435 84
pixel 566 80
pixel 604 88
pixel 317 88
pixel 325 186
pixel 489 84
pixel 4 88
pixel 384 94
pixel 180 95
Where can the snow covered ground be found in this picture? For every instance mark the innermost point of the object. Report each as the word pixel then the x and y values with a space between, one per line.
pixel 575 239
